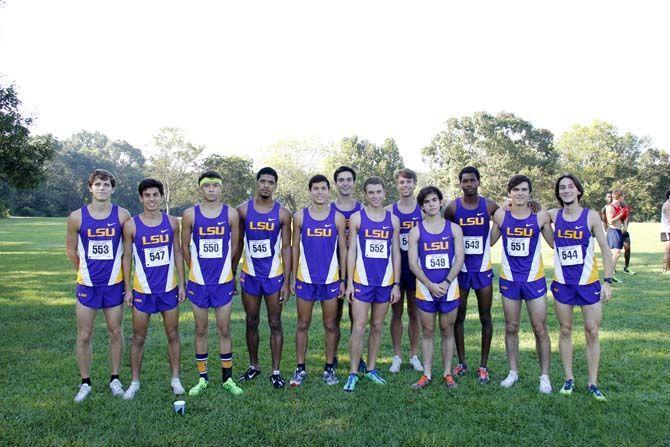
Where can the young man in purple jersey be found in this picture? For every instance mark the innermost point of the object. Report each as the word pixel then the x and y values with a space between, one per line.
pixel 408 212
pixel 319 268
pixel 473 214
pixel 209 238
pixel 265 236
pixel 152 240
pixel 435 257
pixel 522 276
pixel 345 204
pixel 94 247
pixel 374 262
pixel 576 279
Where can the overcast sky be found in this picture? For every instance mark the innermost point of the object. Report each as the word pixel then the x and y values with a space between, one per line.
pixel 239 76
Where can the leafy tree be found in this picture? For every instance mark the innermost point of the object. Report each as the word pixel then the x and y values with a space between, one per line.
pixel 368 159
pixel 238 176
pixel 175 163
pixel 499 146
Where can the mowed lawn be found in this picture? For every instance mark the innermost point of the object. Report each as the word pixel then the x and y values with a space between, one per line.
pixel 39 376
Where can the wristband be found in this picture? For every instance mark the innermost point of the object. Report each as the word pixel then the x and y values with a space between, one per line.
pixel 608 280
pixel 448 282
pixel 396 283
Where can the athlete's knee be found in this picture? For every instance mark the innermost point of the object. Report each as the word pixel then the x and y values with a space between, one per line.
pixel 172 335
pixel 511 327
pixel 592 331
pixel 252 322
pixel 357 331
pixel 446 331
pixel 566 329
pixel 223 330
pixel 115 333
pixel 201 330
pixel 376 327
pixel 331 327
pixel 460 316
pixel 84 336
pixel 303 324
pixel 397 311
pixel 139 338
pixel 485 320
pixel 412 313
pixel 275 324
pixel 540 329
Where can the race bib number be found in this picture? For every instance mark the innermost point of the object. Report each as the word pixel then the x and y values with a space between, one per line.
pixel 100 250
pixel 211 248
pixel 404 241
pixel 518 246
pixel 260 248
pixel 376 249
pixel 437 261
pixel 474 245
pixel 570 255
pixel 156 256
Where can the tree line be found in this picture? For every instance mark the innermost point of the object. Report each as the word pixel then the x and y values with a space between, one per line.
pixel 44 176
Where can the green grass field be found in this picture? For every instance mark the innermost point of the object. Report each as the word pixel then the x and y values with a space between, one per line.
pixel 39 376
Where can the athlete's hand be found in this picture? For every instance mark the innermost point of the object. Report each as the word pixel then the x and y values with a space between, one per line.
pixel 349 293
pixel 534 206
pixel 293 286
pixel 606 292
pixel 128 298
pixel 437 290
pixel 285 293
pixel 395 294
pixel 343 291
pixel 181 294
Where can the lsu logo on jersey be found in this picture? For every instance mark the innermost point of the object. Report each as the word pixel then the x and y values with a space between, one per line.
pixel 570 234
pixel 319 232
pixel 211 231
pixel 470 221
pixel 520 231
pixel 266 226
pixel 435 246
pixel 101 232
pixel 377 234
pixel 156 239
pixel 408 224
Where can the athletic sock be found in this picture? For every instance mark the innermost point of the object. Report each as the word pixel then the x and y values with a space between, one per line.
pixel 328 366
pixel 226 366
pixel 113 377
pixel 301 366
pixel 201 363
pixel 86 381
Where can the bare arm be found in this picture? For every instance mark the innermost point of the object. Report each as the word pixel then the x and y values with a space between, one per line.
pixel 544 221
pixel 395 246
pixel 459 251
pixel 242 213
pixel 234 224
pixel 450 211
pixel 354 226
pixel 498 217
pixel 126 261
pixel 72 238
pixel 285 219
pixel 297 227
pixel 186 231
pixel 341 225
pixel 178 260
pixel 597 230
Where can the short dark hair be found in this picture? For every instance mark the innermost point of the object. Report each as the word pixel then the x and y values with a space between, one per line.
pixel 102 174
pixel 407 173
pixel 667 194
pixel 318 178
pixel 609 192
pixel 342 169
pixel 267 171
pixel 150 183
pixel 469 170
pixel 210 174
pixel 617 193
pixel 374 180
pixel 518 179
pixel 577 183
pixel 426 191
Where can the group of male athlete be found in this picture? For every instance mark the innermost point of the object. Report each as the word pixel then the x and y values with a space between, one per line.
pixel 374 256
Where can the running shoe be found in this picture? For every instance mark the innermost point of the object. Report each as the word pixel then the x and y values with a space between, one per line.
pixel 396 361
pixel 450 382
pixel 298 378
pixel 568 387
pixel 84 391
pixel 230 386
pixel 329 377
pixel 510 380
pixel 335 363
pixel 277 381
pixel 352 380
pixel 116 387
pixel 374 377
pixel 615 279
pixel 250 374
pixel 482 375
pixel 362 367
pixel 177 387
pixel 416 363
pixel 460 370
pixel 545 384
pixel 628 271
pixel 132 390
pixel 422 383
pixel 595 392
pixel 199 388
